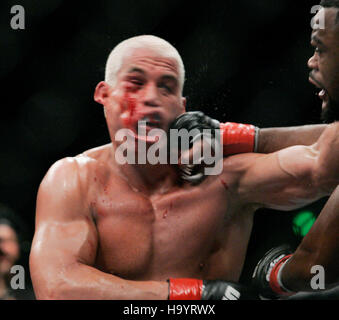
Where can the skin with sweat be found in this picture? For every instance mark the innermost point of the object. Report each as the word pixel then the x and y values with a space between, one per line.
pixel 101 225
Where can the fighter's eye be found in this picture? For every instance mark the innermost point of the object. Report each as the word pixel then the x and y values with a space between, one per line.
pixel 137 82
pixel 167 88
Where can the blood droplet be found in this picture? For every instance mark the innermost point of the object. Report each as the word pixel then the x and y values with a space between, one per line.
pixel 164 215
pixel 224 184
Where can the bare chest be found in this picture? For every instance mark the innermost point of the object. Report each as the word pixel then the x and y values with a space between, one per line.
pixel 155 237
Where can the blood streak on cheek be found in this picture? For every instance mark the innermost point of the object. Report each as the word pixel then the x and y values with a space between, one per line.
pixel 128 107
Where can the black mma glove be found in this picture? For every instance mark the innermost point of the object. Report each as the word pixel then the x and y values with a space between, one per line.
pixel 195 289
pixel 266 276
pixel 230 137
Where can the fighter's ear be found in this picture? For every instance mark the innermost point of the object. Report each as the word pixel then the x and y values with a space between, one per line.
pixel 101 92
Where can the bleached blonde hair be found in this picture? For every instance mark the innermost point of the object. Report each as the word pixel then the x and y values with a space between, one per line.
pixel 159 45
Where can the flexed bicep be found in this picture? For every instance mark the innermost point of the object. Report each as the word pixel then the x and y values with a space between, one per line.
pixel 62 259
pixel 283 180
pixel 65 234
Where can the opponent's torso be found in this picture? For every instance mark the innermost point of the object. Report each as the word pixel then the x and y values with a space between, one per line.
pixel 194 231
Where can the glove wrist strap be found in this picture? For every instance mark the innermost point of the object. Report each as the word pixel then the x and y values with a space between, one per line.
pixel 238 138
pixel 275 277
pixel 185 289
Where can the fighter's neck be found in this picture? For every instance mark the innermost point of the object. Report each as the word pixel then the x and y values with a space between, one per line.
pixel 147 178
pixel 150 179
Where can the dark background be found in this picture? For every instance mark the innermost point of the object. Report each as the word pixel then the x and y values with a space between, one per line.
pixel 245 62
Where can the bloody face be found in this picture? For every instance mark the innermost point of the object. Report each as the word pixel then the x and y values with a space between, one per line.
pixel 147 89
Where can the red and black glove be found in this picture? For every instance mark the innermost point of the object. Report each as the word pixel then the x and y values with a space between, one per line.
pixel 195 289
pixel 266 276
pixel 235 137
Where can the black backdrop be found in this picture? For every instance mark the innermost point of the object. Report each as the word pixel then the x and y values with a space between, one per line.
pixel 245 61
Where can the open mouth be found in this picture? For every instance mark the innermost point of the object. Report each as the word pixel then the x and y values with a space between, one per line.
pixel 141 126
pixel 322 94
pixel 150 121
pixel 140 120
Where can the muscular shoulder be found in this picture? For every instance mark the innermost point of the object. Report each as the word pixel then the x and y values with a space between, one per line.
pixel 71 172
pixel 63 192
pixel 66 173
pixel 71 177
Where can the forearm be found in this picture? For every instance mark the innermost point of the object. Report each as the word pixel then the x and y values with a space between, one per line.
pixel 319 247
pixel 274 139
pixel 326 171
pixel 82 282
pixel 297 274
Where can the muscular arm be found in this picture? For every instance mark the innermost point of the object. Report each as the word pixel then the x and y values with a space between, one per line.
pixel 65 244
pixel 319 247
pixel 289 178
pixel 274 139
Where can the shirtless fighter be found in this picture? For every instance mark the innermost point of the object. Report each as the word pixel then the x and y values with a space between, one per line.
pixel 111 231
pixel 289 272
